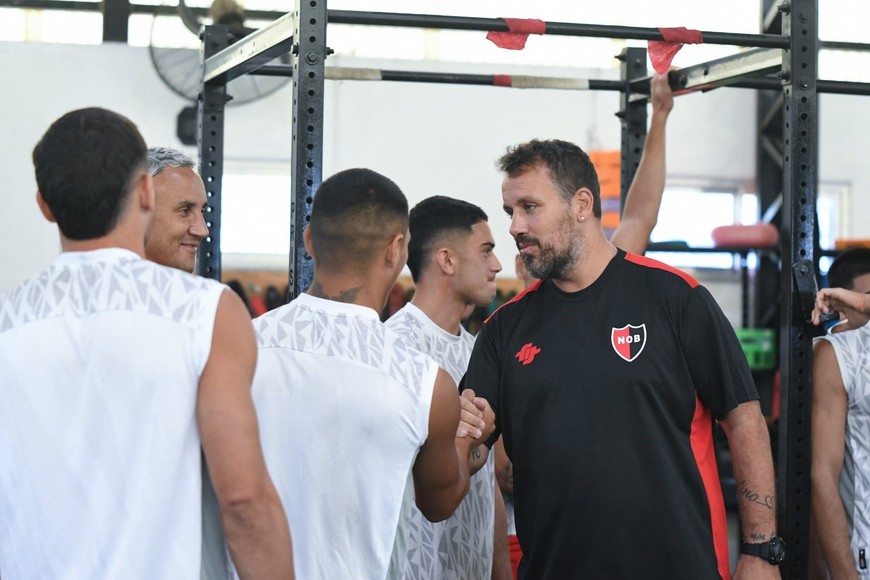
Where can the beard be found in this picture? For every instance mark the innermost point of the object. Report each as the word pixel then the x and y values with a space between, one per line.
pixel 551 262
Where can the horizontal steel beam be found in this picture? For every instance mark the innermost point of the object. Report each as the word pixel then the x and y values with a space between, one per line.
pixel 718 73
pixel 252 51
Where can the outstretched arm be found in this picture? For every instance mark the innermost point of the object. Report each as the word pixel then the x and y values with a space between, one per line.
pixel 441 476
pixel 253 519
pixel 828 444
pixel 644 198
pixel 854 307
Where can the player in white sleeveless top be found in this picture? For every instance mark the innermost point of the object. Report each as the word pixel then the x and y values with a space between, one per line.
pixel 176 231
pixel 841 424
pixel 115 369
pixel 453 265
pixel 347 409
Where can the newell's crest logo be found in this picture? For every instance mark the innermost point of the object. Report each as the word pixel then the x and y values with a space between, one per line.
pixel 527 353
pixel 628 341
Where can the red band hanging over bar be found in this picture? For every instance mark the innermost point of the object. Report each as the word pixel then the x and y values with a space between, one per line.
pixel 502 80
pixel 520 29
pixel 662 52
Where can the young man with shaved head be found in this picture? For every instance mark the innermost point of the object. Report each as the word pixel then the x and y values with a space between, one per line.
pixel 348 409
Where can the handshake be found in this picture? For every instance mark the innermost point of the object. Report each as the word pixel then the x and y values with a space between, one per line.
pixel 476 419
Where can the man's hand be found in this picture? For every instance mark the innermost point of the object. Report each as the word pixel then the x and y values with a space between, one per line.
pixel 471 421
pixel 482 418
pixel 854 307
pixel 660 94
pixel 754 568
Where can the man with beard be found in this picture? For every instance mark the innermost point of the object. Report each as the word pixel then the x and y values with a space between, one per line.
pixel 605 378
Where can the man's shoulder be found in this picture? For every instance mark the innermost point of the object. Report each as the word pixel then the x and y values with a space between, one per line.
pixel 299 326
pixel 519 304
pixel 408 319
pixel 659 271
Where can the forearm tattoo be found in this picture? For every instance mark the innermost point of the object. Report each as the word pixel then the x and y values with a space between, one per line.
pixel 747 494
pixel 475 453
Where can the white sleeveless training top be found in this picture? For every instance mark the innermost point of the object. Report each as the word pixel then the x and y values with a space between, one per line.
pixel 460 547
pixel 343 405
pixel 100 360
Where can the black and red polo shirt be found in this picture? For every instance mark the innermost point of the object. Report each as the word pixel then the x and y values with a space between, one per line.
pixel 606 399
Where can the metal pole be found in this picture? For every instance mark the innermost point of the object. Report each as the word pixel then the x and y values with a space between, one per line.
pixel 633 117
pixel 800 181
pixel 210 142
pixel 309 56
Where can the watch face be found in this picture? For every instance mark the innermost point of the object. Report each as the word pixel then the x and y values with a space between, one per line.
pixel 777 550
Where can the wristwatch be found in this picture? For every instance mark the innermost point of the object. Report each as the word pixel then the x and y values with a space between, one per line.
pixel 772 551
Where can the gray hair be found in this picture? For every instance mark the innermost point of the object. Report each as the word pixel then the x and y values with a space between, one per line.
pixel 160 158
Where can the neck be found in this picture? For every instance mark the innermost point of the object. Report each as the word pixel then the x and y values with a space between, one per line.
pixel 115 239
pixel 350 289
pixel 595 254
pixel 441 305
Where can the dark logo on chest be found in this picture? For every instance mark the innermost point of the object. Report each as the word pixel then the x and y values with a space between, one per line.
pixel 628 341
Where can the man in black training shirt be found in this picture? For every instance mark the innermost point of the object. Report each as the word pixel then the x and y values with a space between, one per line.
pixel 606 377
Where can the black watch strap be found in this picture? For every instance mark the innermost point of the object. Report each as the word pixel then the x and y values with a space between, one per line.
pixel 772 551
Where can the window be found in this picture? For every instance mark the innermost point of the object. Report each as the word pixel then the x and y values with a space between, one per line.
pixel 689 215
pixel 255 218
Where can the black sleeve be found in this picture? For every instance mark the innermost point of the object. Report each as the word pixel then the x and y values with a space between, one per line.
pixel 716 361
pixel 484 372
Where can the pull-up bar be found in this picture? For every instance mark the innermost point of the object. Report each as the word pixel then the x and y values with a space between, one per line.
pixel 552 28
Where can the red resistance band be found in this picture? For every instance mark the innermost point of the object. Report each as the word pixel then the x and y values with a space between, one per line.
pixel 662 52
pixel 520 29
pixel 502 81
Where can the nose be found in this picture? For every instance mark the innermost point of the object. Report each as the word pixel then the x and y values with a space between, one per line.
pixel 518 225
pixel 199 228
pixel 496 266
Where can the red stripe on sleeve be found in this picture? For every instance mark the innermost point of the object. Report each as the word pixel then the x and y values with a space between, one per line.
pixel 701 440
pixel 650 263
pixel 531 288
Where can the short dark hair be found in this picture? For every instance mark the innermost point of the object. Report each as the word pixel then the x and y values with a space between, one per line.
pixel 352 213
pixel 433 218
pixel 86 164
pixel 847 266
pixel 569 166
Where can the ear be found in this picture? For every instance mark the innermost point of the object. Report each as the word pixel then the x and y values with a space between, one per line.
pixel 446 259
pixel 43 207
pixel 145 189
pixel 394 250
pixel 582 203
pixel 306 239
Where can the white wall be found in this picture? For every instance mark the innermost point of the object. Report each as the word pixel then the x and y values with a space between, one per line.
pixel 431 139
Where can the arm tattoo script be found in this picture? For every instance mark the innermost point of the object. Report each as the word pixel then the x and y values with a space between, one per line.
pixel 475 453
pixel 743 491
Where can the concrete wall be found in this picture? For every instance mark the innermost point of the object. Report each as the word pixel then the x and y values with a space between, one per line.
pixel 431 139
